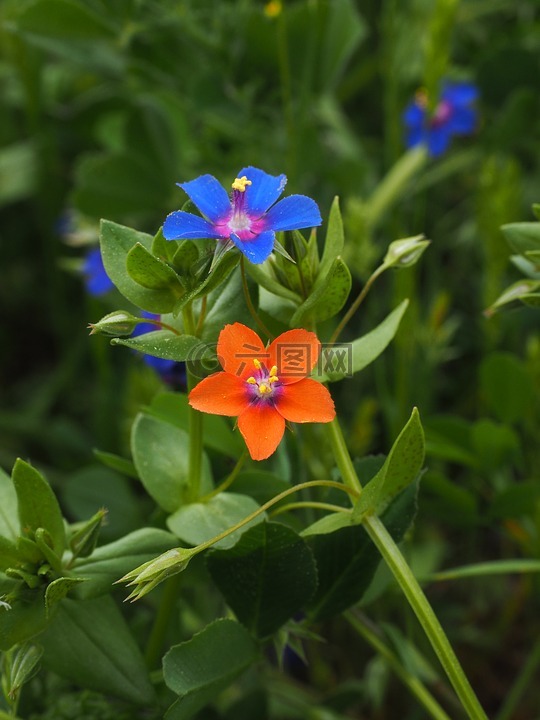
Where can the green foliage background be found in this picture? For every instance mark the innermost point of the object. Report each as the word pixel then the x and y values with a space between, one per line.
pixel 106 105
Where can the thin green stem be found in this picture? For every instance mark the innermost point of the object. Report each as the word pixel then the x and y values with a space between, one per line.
pixel 195 421
pixel 408 583
pixel 530 667
pixel 158 633
pixel 308 504
pixel 228 480
pixel 424 612
pixel 263 508
pixel 249 302
pixel 341 454
pixel 356 304
pixel 417 688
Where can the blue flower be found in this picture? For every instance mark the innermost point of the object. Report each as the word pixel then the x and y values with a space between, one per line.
pixel 165 368
pixel 249 218
pixel 96 279
pixel 455 114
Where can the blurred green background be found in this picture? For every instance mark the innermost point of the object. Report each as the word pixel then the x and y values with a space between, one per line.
pixel 107 104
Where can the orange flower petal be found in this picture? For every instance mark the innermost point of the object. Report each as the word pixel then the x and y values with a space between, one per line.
pixel 220 394
pixel 306 401
pixel 262 428
pixel 237 347
pixel 295 353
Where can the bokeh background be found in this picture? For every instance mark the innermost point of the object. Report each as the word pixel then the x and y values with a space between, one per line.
pixel 105 105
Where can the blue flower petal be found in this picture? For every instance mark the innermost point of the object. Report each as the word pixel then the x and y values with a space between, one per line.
pixel 258 249
pixel 463 120
pixel 292 213
pixel 438 140
pixel 264 190
pixel 414 115
pixel 210 197
pixel 459 93
pixel 181 225
pixel 95 277
pixel 415 136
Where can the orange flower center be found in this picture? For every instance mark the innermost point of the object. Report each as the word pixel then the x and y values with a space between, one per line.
pixel 263 382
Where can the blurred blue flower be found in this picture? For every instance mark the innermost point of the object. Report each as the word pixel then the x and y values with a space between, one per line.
pixel 454 114
pixel 249 218
pixel 170 370
pixel 95 278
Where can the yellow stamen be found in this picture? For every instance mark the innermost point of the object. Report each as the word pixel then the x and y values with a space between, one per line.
pixel 273 379
pixel 273 8
pixel 421 97
pixel 240 184
pixel 251 380
pixel 264 389
pixel 257 363
pixel 273 370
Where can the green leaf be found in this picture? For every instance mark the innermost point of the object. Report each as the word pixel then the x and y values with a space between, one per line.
pixel 199 669
pixel 9 523
pixel 117 463
pixel 507 386
pixel 166 344
pixel 23 666
pixel 58 590
pixel 335 239
pixel 116 242
pixel 165 249
pixel 198 522
pixel 266 578
pixel 347 559
pixel 23 620
pixel 213 280
pixel 366 349
pixel 161 454
pixel 89 643
pixel 328 296
pixel 400 469
pixel 110 562
pixel 173 408
pixel 151 272
pixel 38 506
pixel 522 236
pixel 10 557
pixel 264 276
pixel 521 290
pixel 63 19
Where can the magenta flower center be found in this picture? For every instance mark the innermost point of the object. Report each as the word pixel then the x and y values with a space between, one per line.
pixel 442 114
pixel 264 383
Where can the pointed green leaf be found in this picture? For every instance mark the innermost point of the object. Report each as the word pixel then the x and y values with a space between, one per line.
pixel 267 577
pixel 9 523
pixel 263 275
pixel 151 272
pixel 38 506
pixel 522 236
pixel 198 522
pixel 401 468
pixel 23 667
pixel 366 349
pixel 58 590
pixel 90 643
pixel 10 557
pixel 166 344
pixel 329 294
pixel 335 239
pixel 199 669
pixel 116 242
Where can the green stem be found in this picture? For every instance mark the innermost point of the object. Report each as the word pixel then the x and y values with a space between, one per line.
pixel 249 302
pixel 309 504
pixel 417 688
pixel 195 422
pixel 384 542
pixel 356 304
pixel 508 710
pixel 158 633
pixel 394 182
pixel 263 508
pixel 228 480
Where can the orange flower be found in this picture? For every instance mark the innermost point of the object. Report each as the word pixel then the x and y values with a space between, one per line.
pixel 264 386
